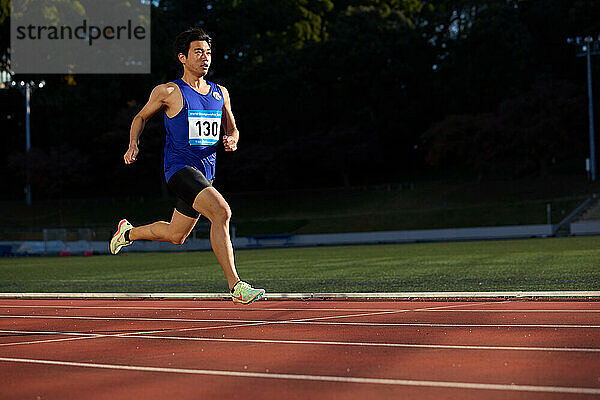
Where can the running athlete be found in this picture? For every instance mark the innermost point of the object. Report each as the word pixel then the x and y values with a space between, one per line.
pixel 194 110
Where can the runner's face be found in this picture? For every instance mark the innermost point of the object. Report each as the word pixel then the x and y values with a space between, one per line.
pixel 198 58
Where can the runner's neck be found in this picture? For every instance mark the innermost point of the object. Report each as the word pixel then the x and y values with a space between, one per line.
pixel 197 83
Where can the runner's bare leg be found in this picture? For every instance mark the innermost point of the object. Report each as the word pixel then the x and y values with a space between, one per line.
pixel 174 232
pixel 210 203
pixel 213 206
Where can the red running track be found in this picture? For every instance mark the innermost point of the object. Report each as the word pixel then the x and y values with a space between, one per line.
pixel 123 349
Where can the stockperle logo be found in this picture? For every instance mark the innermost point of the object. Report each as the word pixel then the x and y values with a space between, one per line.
pixel 83 36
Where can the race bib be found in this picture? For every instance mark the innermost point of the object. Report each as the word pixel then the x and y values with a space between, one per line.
pixel 204 127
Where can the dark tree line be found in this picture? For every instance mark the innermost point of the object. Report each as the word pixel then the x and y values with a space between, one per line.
pixel 330 93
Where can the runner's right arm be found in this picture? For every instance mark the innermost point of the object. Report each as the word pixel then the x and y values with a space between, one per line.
pixel 157 101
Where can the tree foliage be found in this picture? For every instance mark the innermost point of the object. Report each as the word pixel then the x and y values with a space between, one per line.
pixel 330 93
pixel 526 134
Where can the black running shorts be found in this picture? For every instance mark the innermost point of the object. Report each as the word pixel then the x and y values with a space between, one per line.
pixel 186 184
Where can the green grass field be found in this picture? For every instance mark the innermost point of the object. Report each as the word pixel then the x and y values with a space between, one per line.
pixel 532 264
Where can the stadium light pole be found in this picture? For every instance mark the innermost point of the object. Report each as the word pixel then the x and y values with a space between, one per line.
pixel 589 47
pixel 27 89
pixel 6 81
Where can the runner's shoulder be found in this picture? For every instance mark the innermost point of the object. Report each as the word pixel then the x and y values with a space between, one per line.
pixel 223 88
pixel 224 91
pixel 163 91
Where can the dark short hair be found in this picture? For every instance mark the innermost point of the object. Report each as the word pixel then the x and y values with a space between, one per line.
pixel 183 40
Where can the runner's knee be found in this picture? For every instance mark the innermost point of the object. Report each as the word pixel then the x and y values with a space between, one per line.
pixel 222 214
pixel 177 238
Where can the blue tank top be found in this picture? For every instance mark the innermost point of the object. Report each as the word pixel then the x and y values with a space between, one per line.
pixel 193 134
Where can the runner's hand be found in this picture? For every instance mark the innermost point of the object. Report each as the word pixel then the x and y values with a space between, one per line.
pixel 230 142
pixel 131 154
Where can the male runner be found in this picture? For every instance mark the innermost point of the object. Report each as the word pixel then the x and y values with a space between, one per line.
pixel 194 110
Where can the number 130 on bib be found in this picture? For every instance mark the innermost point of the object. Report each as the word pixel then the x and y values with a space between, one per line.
pixel 204 127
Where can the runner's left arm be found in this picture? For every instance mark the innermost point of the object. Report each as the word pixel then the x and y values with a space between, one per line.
pixel 232 135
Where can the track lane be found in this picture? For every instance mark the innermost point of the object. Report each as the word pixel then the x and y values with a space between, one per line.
pixel 412 364
pixel 111 384
pixel 479 366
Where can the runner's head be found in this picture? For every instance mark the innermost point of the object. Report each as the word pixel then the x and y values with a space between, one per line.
pixel 193 50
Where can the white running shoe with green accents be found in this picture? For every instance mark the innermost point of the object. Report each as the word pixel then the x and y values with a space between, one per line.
pixel 243 293
pixel 118 240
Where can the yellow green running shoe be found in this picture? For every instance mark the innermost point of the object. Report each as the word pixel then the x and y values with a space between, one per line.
pixel 118 240
pixel 243 293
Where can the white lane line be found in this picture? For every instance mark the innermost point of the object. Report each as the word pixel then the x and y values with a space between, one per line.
pixel 523 311
pixel 311 321
pixel 97 335
pixel 406 296
pixel 251 322
pixel 370 344
pixel 299 342
pixel 321 378
pixel 369 314
pixel 68 339
pixel 244 324
pixel 253 310
pixel 201 308
pixel 123 318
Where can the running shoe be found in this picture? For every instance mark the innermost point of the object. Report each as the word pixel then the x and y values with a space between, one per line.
pixel 118 240
pixel 243 293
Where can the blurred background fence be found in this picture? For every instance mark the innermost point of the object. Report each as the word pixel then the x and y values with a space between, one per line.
pixel 336 210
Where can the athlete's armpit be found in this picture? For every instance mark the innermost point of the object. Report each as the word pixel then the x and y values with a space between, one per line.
pixel 228 120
